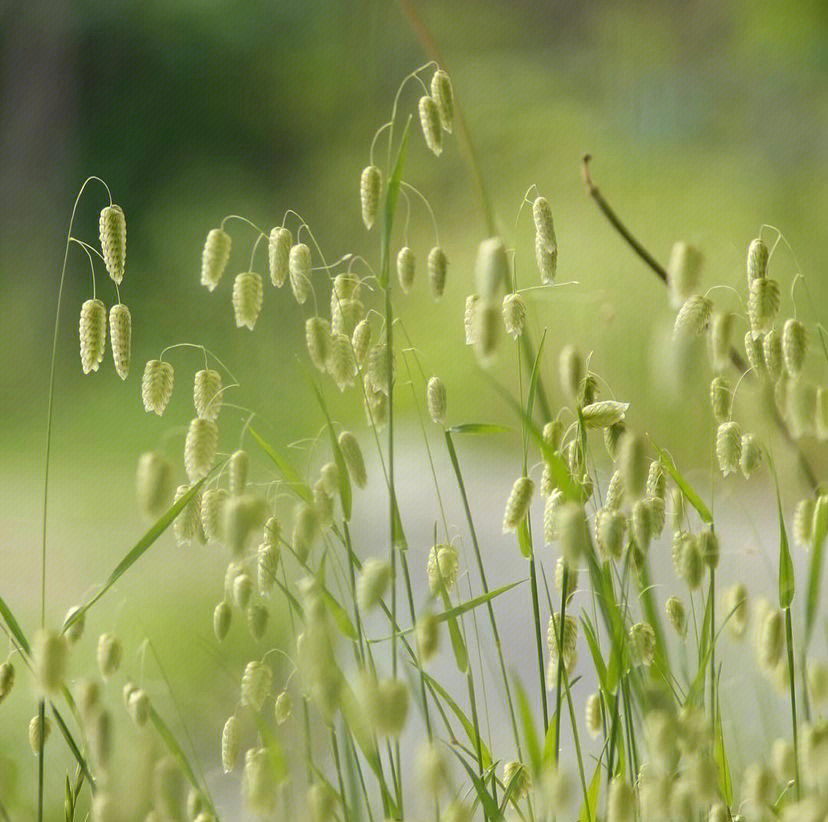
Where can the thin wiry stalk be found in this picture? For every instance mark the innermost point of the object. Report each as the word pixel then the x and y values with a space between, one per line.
pixel 338 766
pixel 792 686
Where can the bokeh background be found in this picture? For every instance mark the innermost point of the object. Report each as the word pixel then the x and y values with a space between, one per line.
pixel 706 119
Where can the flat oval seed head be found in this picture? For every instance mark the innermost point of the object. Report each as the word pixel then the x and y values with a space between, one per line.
pixel 112 228
pixel 437 266
pixel 406 267
pixel 370 186
pixel 299 269
pixel 157 386
pixel 443 95
pixel 431 125
pixel 120 335
pixel 248 295
pixel 207 394
pixel 214 257
pixel 92 333
pixel 278 247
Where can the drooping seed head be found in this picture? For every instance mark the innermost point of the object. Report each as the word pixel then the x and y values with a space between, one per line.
pixel 721 398
pixel 642 643
pixel 794 346
pixel 729 447
pixel 200 448
pixel 230 744
pixel 257 617
pixel 546 259
pixel 50 654
pixel 74 631
pixel 573 532
pixel 157 386
pixel 212 513
pixel 757 261
pixel 610 527
pixel 305 530
pixel 340 362
pixel 370 186
pixel 553 434
pixel 571 572
pixel 570 370
pixel 442 568
pixel 7 676
pixel 39 733
pixel 406 268
pixel 755 352
pixel 801 405
pixel 550 515
pixel 491 268
pixel 615 491
pixel 255 685
pixel 372 583
pixel 92 333
pixel 267 563
pixel 222 617
pixel 514 314
pixel 751 455
pixel 544 224
pixel 642 527
pixel 803 521
pixel 688 560
pixel 633 464
pixel 763 303
pixel 100 738
pixel 361 341
pixel 604 413
pixel 693 317
pixel 431 124
pixel 709 547
pixel 736 609
pixel 468 317
pixel 443 96
pixel 138 707
pixel 110 653
pixel 242 590
pixel 214 257
pixel 238 467
pixel 153 483
pixel 436 400
pixel 283 708
pixel 187 525
pixel 278 250
pixel 259 783
pixel 486 331
pixel 428 635
pixel 621 801
pixel 784 760
pixel 120 336
pixel 677 615
pixel 721 331
pixel 772 353
pixel 437 267
pixel 207 394
pixel 248 296
pixel 683 271
pixel 516 777
pixel 771 639
pixel 299 269
pixel 345 314
pixel 561 647
pixel 112 230
pixel 517 506
pixel 353 458
pixel 592 715
pixel 323 504
pixel 244 514
pixel 317 337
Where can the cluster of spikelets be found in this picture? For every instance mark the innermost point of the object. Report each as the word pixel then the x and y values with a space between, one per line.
pixel 93 320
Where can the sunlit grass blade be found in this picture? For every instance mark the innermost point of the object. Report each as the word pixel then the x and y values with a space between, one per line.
pixel 14 626
pixel 490 808
pixel 689 492
pixel 529 732
pixel 478 428
pixel 73 747
pixel 291 475
pixel 589 808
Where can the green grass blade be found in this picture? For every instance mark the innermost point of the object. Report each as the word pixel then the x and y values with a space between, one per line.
pixel 291 475
pixel 476 602
pixel 533 378
pixel 787 581
pixel 73 747
pixel 391 196
pixel 340 616
pixel 458 645
pixel 590 807
pixel 490 809
pixel 689 492
pixel 529 732
pixel 595 650
pixel 138 550
pixel 479 428
pixel 14 627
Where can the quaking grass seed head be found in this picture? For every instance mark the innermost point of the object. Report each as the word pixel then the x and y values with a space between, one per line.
pixel 372 583
pixel 120 335
pixel 154 483
pixel 299 270
pixel 110 653
pixel 222 618
pixel 207 394
pixel 436 400
pixel 361 341
pixel 751 456
pixel 544 224
pixel 112 230
pixel 604 413
pixel 491 268
pixel 430 124
pixel 794 346
pixel 803 521
pixel 517 506
pixel 318 338
pixel 157 386
pixel 187 525
pixel 642 643
pixel 39 733
pixel 283 708
pixel 755 352
pixel 248 296
pixel 442 567
pixel 238 467
pixel 633 464
pixel 437 267
pixel 763 303
pixel 611 526
pixel 721 397
pixel 546 260
pixel 592 715
pixel 677 615
pixel 370 186
pixel 345 314
pixel 514 314
pixel 7 677
pixel 278 250
pixel 50 655
pixel 771 639
pixel 693 317
pixel 267 563
pixel 570 370
pixel 406 268
pixel 214 257
pixel 353 458
pixel 772 353
pixel 255 684
pixel 729 447
pixel 709 547
pixel 573 532
pixel 257 617
pixel 757 261
pixel 92 333
pixel 516 775
pixel 683 272
pixel 230 744
pixel 721 331
pixel 212 513
pixel 200 448
pixel 561 647
pixel 428 635
pixel 550 515
pixel 443 96
pixel 736 609
pixel 469 311
pixel 340 362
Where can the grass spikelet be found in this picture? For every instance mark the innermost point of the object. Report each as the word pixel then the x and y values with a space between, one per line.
pixel 305 530
pixel 436 400
pixel 243 515
pixel 39 733
pixel 437 266
pixel 222 617
pixel 728 447
pixel 386 703
pixel 736 605
pixel 772 353
pixel 570 370
pixel 372 583
pixel 550 515
pixel 376 368
pixel 592 715
pixel 138 706
pixel 621 801
pixel 112 230
pixel 361 341
pixel 688 560
pixel 560 567
pixel 212 513
pixel 443 96
pixel 207 394
pixel 200 448
pixel 568 648
pixel 120 336
pixel 100 739
pixel 157 386
pixel 255 684
pixel 299 270
pixel 317 338
pixel 794 346
pixel 721 331
pixel 517 775
pixel 109 654
pixel 693 317
pixel 345 314
pixel 431 124
pixel 257 617
pixel 677 615
pixel 642 643
pixel 267 563
pixel 642 528
pixel 683 272
pixel 604 413
pixel 248 296
pixel 406 268
pixel 428 635
pixel 544 224
pixel 751 455
pixel 517 506
pixel 491 269
pixel 7 676
pixel 573 532
pixel 486 331
pixel 800 403
pixel 771 639
pixel 514 314
pixel 50 654
pixel 340 362
pixel 633 464
pixel 721 397
pixel 615 491
pixel 763 303
pixel 709 548
pixel 214 257
pixel 755 352
pixel 353 458
pixel 187 525
pixel 237 469
pixel 153 483
pixel 757 261
pixel 370 187
pixel 469 311
pixel 611 525
pixel 278 254
pixel 612 438
pixel 230 744
pixel 442 567
pixel 92 333
pixel 546 260
pixel 803 521
pixel 283 708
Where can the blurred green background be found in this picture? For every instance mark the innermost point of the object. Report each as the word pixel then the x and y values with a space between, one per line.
pixel 706 119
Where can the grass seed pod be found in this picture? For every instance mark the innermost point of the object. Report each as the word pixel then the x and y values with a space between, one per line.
pixel 612 437
pixel 693 317
pixel 242 590
pixel 222 617
pixel 656 481
pixel 428 635
pixel 562 568
pixel 153 483
pixel 772 353
pixel 517 506
pixel 214 257
pixel 248 296
pixel 469 311
pixel 642 643
pixel 255 685
pixel 486 332
pixel 267 563
pixel 431 124
pixel 372 583
pixel 516 775
pixel 361 341
pixel 514 314
pixel 757 261
pixel 801 404
pixel 212 513
pixel 230 744
pixel 544 224
pixel 345 314
pixel 437 266
pixel 353 458
pixel 677 615
pixel 621 801
pixel 377 370
pixel 50 654
pixel 615 491
pixel 283 708
pixel 751 455
pixel 721 398
pixel 200 448
pixel 633 464
pixel 771 639
pixel 604 413
pixel 573 532
pixel 7 676
pixel 568 645
pixel 736 609
pixel 317 337
pixel 755 352
pixel 340 362
pixel 406 268
pixel 689 561
pixel 491 269
pixel 157 386
pixel 642 528
pixel 329 476
pixel 120 336
pixel 553 434
pixel 237 469
pixel 721 331
pixel 187 525
pixel 305 530
pixel 570 370
pixel 109 654
pixel 683 272
pixel 729 447
pixel 278 254
pixel 299 270
pixel 138 707
pixel 709 548
pixel 257 616
pixel 611 525
pixel 546 259
pixel 370 186
pixel 207 394
pixel 794 346
pixel 92 334
pixel 592 715
pixel 443 96
pixel 442 567
pixel 39 733
pixel 763 303
pixel 550 515
pixel 436 400
pixel 112 230
pixel 803 521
